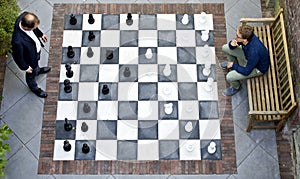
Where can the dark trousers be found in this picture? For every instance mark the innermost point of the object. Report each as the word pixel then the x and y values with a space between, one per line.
pixel 30 77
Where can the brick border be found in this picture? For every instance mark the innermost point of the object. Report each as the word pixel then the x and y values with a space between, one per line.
pixel 46 164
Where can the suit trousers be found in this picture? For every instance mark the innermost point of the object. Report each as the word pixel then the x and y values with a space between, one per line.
pixel 30 77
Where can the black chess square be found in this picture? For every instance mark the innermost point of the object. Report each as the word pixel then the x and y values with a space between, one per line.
pixel 64 96
pixel 86 42
pixel 77 26
pixel 106 130
pixel 147 91
pixel 171 78
pixel 75 59
pixel 163 114
pixel 147 130
pixel 128 73
pixel 168 150
pixel 89 73
pixel 186 55
pixel 200 42
pixel 110 22
pixel 142 57
pixel 147 22
pixel 61 133
pixel 187 91
pixel 202 77
pixel 112 91
pixel 128 110
pixel 166 38
pixel 206 154
pixel 129 38
pixel 127 150
pixel 87 110
pixel 109 55
pixel 184 132
pixel 208 110
pixel 80 155
pixel 181 26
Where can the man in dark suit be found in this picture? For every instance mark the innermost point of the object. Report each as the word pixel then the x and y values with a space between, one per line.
pixel 26 49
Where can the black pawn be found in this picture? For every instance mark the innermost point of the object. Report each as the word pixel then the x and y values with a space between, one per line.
pixel 67 146
pixel 105 89
pixel 85 148
pixel 91 19
pixel 127 72
pixel 70 52
pixel 68 126
pixel 69 72
pixel 73 19
pixel 86 108
pixel 129 20
pixel 91 36
pixel 109 54
pixel 68 87
pixel 90 52
pixel 84 127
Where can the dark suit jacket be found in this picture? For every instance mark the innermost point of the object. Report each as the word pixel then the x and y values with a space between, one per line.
pixel 24 49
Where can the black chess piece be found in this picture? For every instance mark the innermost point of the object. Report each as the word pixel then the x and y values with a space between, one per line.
pixel 127 72
pixel 90 52
pixel 86 108
pixel 67 146
pixel 129 20
pixel 69 72
pixel 105 89
pixel 91 19
pixel 85 148
pixel 73 19
pixel 109 54
pixel 84 127
pixel 70 52
pixel 68 87
pixel 67 126
pixel 91 36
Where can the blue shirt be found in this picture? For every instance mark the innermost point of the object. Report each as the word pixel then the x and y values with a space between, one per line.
pixel 257 57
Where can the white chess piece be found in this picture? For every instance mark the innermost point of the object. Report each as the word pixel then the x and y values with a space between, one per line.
pixel 205 35
pixel 167 90
pixel 149 53
pixel 185 19
pixel 209 84
pixel 202 18
pixel 168 108
pixel 188 126
pixel 167 70
pixel 189 108
pixel 189 146
pixel 206 69
pixel 212 147
pixel 206 51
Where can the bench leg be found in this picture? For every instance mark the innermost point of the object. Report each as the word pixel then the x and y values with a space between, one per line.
pixel 249 124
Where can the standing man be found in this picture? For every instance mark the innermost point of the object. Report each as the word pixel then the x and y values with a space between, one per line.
pixel 26 49
pixel 248 57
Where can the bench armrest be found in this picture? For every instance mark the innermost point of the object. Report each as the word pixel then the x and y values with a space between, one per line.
pixel 256 20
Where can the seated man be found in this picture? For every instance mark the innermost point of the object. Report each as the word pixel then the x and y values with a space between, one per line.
pixel 248 57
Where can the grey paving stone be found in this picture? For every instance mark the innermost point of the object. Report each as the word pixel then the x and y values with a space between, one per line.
pixel 240 115
pixel 23 4
pixel 83 177
pixel 270 146
pixel 198 176
pixel 15 145
pixel 241 96
pixel 34 145
pixel 139 176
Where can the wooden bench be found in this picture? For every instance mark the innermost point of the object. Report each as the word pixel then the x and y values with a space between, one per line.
pixel 271 96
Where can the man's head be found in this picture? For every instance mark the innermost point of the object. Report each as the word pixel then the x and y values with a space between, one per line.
pixel 30 21
pixel 244 33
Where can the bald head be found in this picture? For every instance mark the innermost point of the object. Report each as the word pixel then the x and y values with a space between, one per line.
pixel 29 20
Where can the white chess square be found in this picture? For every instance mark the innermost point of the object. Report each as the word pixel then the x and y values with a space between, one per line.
pixel 127 130
pixel 60 153
pixel 147 38
pixel 110 38
pixel 147 110
pixel 109 73
pixel 90 134
pixel 206 92
pixel 188 110
pixel 166 21
pixel 107 110
pixel 167 55
pixel 168 129
pixel 88 91
pixel 147 73
pixel 205 54
pixel 72 38
pixel 209 129
pixel 95 26
pixel 127 91
pixel 66 109
pixel 106 149
pixel 203 22
pixel 187 73
pixel 148 150
pixel 185 38
pixel 95 59
pixel 128 55
pixel 190 150
pixel 124 26
pixel 76 71
pixel 167 91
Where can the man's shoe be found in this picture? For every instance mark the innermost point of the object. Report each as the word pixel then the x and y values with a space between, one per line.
pixel 223 65
pixel 40 93
pixel 44 70
pixel 230 91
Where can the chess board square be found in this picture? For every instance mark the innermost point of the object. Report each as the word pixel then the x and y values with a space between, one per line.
pixel 181 26
pixel 147 22
pixel 90 43
pixel 128 110
pixel 127 130
pixel 107 110
pixel 61 133
pixel 72 96
pixel 189 150
pixel 89 73
pixel 166 55
pixel 187 73
pixel 113 91
pixel 187 91
pixel 129 38
pixel 77 26
pixel 167 91
pixel 133 73
pixel 95 26
pixel 205 54
pixel 147 38
pixel 204 94
pixel 90 134
pixel 205 155
pixel 212 72
pixel 112 69
pixel 208 110
pixel 104 52
pixel 168 104
pixel 188 110
pixel 95 59
pixel 75 68
pixel 88 91
pixel 142 57
pixel 87 115
pixel 66 109
pixel 110 38
pixel 147 130
pixel 168 129
pixel 127 150
pixel 166 21
pixel 210 129
pixel 183 129
pixel 106 129
pixel 133 26
pixel 203 21
pixel 79 155
pixel 166 38
pixel 147 150
pixel 110 22
pixel 75 59
pixel 147 73
pixel 186 55
pixel 185 38
pixel 106 150
pixel 200 42
pixel 147 110
pixel 128 91
pixel 147 91
pixel 171 78
pixel 60 153
pixel 169 150
pixel 69 40
pixel 128 55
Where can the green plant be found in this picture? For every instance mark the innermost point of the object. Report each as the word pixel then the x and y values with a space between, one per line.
pixel 9 11
pixel 4 133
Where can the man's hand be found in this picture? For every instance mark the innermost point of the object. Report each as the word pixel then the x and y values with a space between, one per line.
pixel 29 70
pixel 229 64
pixel 234 43
pixel 44 38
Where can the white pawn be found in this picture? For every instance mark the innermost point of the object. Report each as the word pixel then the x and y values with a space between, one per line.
pixel 188 126
pixel 205 35
pixel 202 18
pixel 168 108
pixel 149 53
pixel 206 69
pixel 212 147
pixel 167 70
pixel 209 84
pixel 185 19
pixel 206 51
